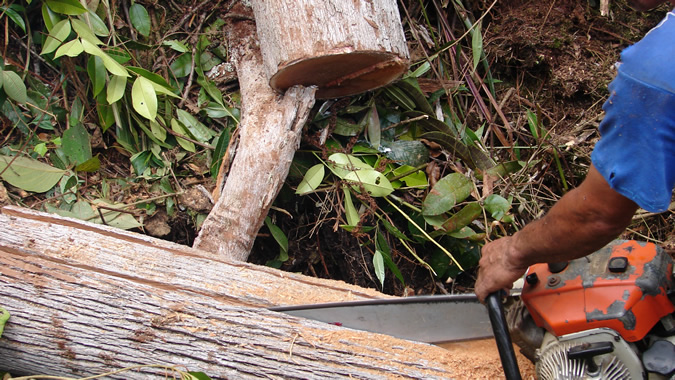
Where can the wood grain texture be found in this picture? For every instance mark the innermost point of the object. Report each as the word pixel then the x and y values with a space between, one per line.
pixel 90 300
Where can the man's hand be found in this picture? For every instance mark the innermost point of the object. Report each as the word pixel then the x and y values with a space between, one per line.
pixel 497 270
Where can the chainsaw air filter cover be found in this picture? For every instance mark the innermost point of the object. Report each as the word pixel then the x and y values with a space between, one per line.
pixel 623 286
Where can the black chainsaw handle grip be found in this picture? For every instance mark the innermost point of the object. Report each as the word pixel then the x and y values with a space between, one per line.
pixel 501 331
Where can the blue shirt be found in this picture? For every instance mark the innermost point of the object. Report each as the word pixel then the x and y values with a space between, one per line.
pixel 636 154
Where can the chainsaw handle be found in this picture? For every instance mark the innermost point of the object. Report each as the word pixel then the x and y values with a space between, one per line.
pixel 501 331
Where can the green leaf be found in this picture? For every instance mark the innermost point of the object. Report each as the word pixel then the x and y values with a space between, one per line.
pixel 463 217
pixel 177 46
pixel 67 7
pixel 98 26
pixel 157 130
pixel 89 166
pixel 97 74
pixel 115 219
pixel 311 180
pixel 4 317
pixel 497 206
pixel 342 164
pixel 14 16
pixel 71 49
pixel 76 144
pixel 374 182
pixel 198 130
pixel 14 86
pixel 140 19
pixel 378 264
pixel 374 127
pixel 199 376
pixel 477 45
pixel 350 211
pixel 116 88
pixel 113 66
pixel 29 175
pixel 40 149
pixel 447 192
pixel 150 76
pixel 178 127
pixel 82 30
pixel 413 153
pixel 144 98
pixel 50 18
pixel 279 236
pixel 182 66
pixel 382 246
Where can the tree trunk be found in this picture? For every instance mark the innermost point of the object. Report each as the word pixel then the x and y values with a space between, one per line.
pixel 343 47
pixel 270 132
pixel 87 299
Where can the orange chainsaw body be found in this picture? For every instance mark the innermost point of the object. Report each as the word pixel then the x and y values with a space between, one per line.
pixel 624 287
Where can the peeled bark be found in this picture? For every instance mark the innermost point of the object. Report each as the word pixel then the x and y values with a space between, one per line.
pixel 343 47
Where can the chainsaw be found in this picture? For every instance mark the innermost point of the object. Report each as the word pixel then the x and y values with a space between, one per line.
pixel 609 315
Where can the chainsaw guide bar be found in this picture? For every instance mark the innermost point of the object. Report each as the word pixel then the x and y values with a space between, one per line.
pixel 429 319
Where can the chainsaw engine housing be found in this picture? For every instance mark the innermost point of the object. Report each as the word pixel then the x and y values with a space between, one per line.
pixel 608 315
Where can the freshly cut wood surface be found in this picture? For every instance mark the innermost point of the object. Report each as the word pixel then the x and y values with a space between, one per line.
pixel 343 47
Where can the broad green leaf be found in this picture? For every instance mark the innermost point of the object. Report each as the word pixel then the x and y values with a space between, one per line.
pixel 29 175
pixel 211 89
pixel 197 129
pixel 140 19
pixel 497 206
pixel 67 7
pixel 14 16
pixel 40 149
pixel 382 246
pixel 350 211
pixel 89 166
pixel 311 180
pixel 182 66
pixel 4 317
pixel 463 217
pixel 177 46
pixel 346 128
pixel 144 98
pixel 98 26
pixel 113 66
pixel 49 17
pixel 342 164
pixel 82 30
pixel 158 131
pixel 374 182
pixel 116 88
pixel 477 45
pixel 178 127
pixel 76 144
pixel 447 192
pixel 116 219
pixel 71 49
pixel 147 74
pixel 14 86
pixel 413 153
pixel 378 264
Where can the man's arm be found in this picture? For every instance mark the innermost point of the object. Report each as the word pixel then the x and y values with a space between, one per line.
pixel 581 222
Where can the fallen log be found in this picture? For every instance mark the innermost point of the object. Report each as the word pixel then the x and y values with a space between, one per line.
pixel 87 299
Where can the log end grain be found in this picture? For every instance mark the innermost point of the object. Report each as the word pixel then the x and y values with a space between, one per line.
pixel 340 75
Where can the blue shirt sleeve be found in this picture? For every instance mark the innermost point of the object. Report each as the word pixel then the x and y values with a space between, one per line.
pixel 636 153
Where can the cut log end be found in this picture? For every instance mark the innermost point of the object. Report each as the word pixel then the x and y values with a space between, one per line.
pixel 341 74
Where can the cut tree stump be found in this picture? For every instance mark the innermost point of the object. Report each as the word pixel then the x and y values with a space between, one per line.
pixel 87 299
pixel 306 48
pixel 342 47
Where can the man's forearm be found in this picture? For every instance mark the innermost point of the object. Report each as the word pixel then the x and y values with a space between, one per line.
pixel 584 220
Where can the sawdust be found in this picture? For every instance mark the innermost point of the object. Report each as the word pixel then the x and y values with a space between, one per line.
pixel 479 359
